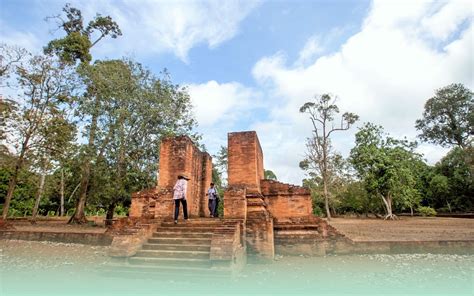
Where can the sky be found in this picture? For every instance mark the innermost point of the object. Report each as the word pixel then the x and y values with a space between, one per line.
pixel 250 65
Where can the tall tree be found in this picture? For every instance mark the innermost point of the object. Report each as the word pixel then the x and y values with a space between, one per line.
pixel 458 169
pixel 43 86
pixel 56 135
pixel 322 114
pixel 387 167
pixel 448 118
pixel 79 39
pixel 76 45
pixel 137 110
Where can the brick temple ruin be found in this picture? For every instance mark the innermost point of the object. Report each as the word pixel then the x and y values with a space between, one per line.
pixel 261 216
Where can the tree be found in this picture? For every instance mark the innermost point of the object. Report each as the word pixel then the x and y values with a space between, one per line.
pixel 136 111
pixel 220 165
pixel 56 135
pixel 10 56
pixel 448 118
pixel 387 167
pixel 76 45
pixel 319 155
pixel 458 169
pixel 439 193
pixel 44 85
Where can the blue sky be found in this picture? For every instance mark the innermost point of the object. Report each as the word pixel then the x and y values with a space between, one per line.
pixel 250 65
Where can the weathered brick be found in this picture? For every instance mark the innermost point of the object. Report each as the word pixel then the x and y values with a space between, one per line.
pixel 178 155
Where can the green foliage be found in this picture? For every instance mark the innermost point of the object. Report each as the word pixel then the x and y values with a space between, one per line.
pixel 76 45
pixel 427 211
pixel 135 110
pixel 387 166
pixel 448 118
pixel 317 211
pixel 220 166
pixel 270 175
pixel 453 183
pixel 121 211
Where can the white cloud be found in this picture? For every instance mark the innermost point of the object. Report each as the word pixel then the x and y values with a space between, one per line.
pixel 446 20
pixel 151 27
pixel 222 107
pixel 384 73
pixel 214 102
pixel 310 50
pixel 26 40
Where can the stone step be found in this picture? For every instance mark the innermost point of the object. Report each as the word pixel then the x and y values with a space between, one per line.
pixel 173 254
pixel 178 234
pixel 177 247
pixel 166 262
pixel 216 222
pixel 181 241
pixel 199 229
pixel 296 227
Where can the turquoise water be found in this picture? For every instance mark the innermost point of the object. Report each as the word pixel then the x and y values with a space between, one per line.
pixel 404 274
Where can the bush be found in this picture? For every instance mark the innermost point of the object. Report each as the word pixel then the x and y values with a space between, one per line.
pixel 121 210
pixel 317 211
pixel 427 211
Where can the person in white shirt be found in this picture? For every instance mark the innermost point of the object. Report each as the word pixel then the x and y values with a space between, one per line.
pixel 213 200
pixel 179 196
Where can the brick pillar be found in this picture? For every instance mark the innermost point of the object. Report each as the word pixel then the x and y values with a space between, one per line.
pixel 245 170
pixel 245 160
pixel 235 203
pixel 206 180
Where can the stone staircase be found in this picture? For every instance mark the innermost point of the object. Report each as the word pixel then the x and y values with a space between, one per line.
pixel 306 236
pixel 182 249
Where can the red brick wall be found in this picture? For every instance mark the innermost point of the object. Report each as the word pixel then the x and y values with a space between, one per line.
pixel 245 160
pixel 235 203
pixel 284 200
pixel 206 181
pixel 178 155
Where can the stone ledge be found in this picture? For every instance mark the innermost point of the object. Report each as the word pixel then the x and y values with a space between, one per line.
pixel 97 239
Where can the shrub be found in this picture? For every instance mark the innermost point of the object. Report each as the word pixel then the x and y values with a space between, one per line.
pixel 317 211
pixel 427 211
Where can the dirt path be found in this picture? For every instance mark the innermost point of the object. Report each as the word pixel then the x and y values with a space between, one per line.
pixel 406 229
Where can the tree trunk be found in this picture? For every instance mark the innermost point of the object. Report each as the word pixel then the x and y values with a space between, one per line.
pixel 13 180
pixel 388 206
pixel 38 196
pixel 326 201
pixel 325 173
pixel 61 212
pixel 110 214
pixel 79 216
pixel 8 198
pixel 411 211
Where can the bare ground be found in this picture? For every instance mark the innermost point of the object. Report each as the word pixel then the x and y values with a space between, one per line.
pixel 43 255
pixel 406 229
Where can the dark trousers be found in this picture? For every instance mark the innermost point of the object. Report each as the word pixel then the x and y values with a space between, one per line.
pixel 176 208
pixel 212 204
